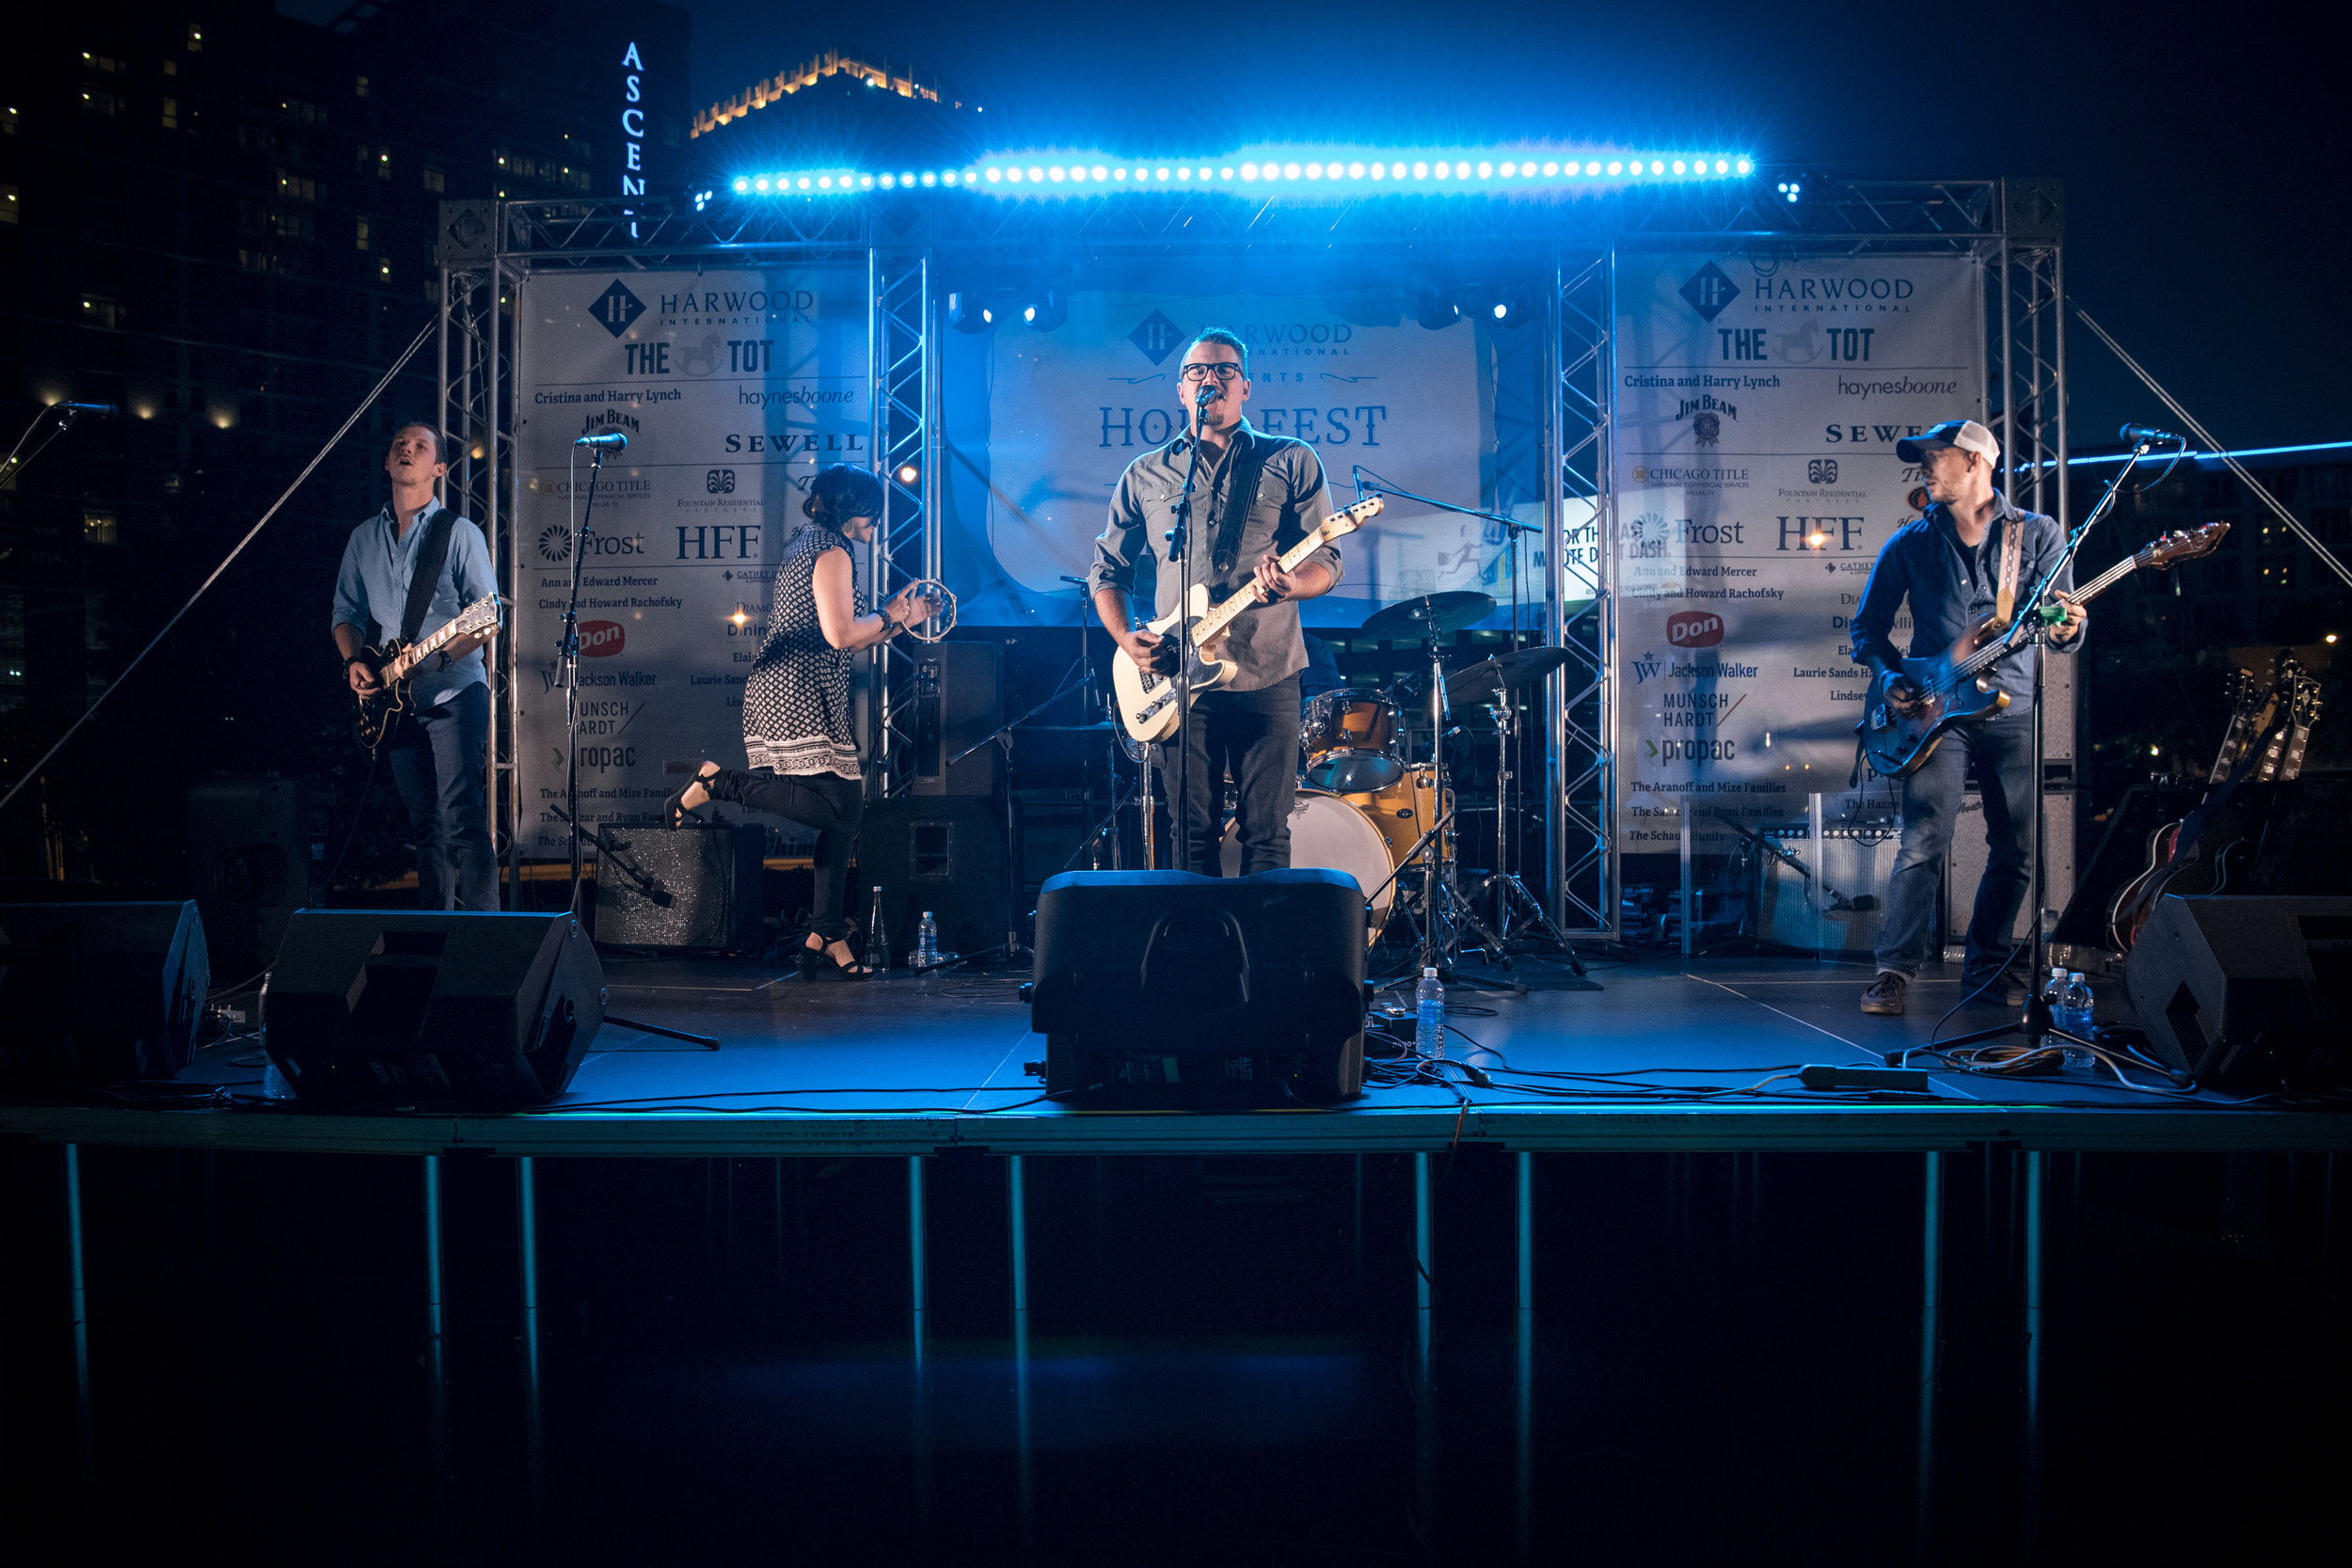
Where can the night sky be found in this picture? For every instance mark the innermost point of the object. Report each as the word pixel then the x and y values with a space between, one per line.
pixel 2205 198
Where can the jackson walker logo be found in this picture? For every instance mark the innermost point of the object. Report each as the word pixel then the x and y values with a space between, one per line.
pixel 1645 667
pixel 617 309
pixel 1707 413
pixel 1707 291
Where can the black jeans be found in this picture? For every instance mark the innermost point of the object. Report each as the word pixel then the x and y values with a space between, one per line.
pixel 1251 736
pixel 436 757
pixel 826 802
pixel 2002 748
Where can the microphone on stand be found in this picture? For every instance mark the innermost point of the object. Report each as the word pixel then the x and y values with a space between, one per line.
pixel 611 440
pixel 2139 434
pixel 106 408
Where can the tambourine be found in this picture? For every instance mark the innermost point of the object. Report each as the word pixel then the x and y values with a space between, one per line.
pixel 944 620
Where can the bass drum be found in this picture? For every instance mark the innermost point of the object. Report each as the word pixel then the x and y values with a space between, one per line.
pixel 1327 832
pixel 1402 812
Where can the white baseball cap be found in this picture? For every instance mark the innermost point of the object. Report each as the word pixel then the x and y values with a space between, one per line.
pixel 1968 435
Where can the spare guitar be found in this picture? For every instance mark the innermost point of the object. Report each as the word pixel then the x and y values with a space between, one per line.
pixel 1147 698
pixel 1957 687
pixel 394 662
pixel 2269 728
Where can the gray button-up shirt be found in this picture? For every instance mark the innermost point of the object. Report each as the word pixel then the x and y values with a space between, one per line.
pixel 1285 500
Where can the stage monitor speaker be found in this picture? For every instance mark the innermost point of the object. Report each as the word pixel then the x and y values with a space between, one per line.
pixel 1164 988
pixel 2253 993
pixel 946 855
pixel 479 1011
pixel 92 993
pixel 959 701
pixel 682 887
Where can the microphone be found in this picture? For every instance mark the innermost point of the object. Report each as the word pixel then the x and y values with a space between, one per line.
pixel 2140 434
pixel 1201 406
pixel 86 408
pixel 611 440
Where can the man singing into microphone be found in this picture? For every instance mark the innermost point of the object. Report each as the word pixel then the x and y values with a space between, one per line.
pixel 1254 497
pixel 406 572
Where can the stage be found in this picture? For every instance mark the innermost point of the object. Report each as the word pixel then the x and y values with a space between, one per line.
pixel 1663 1053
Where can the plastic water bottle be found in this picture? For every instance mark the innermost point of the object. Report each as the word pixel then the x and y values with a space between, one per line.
pixel 2054 992
pixel 927 942
pixel 1429 1015
pixel 2075 1017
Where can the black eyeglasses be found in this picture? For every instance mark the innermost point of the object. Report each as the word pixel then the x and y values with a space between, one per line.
pixel 1224 370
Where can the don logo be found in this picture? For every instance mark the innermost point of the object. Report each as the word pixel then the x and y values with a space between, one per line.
pixel 603 639
pixel 1694 629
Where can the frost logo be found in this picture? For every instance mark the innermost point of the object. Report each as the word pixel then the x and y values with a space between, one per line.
pixel 1645 667
pixel 1157 338
pixel 1708 289
pixel 555 544
pixel 617 308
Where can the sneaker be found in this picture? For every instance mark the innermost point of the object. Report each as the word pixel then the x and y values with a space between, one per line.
pixel 2008 991
pixel 1886 995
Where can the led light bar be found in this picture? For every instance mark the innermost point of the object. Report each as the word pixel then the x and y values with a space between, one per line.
pixel 1276 171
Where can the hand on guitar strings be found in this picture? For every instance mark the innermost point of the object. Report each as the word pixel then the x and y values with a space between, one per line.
pixel 1150 651
pixel 1901 692
pixel 1272 584
pixel 362 674
pixel 2072 626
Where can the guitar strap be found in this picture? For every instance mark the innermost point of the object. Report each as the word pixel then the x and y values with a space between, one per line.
pixel 1240 492
pixel 432 555
pixel 2013 557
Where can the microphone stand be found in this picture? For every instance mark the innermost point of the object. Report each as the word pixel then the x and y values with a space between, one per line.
pixel 567 674
pixel 1180 545
pixel 2034 1026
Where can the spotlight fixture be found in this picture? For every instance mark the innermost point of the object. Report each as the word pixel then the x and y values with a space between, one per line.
pixel 1436 309
pixel 972 312
pixel 909 474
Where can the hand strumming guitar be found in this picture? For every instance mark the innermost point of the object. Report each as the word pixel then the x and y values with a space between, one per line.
pixel 362 674
pixel 1150 650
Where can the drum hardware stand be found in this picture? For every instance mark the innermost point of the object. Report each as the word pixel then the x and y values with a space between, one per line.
pixel 1002 737
pixel 1443 905
pixel 1504 880
pixel 1367 481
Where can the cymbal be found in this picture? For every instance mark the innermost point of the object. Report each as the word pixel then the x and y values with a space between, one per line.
pixel 1447 611
pixel 1502 671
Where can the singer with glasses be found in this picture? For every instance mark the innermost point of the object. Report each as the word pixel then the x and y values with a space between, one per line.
pixel 1255 496
pixel 797 732
pixel 438 754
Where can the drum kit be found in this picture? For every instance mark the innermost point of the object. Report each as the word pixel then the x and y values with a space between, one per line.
pixel 1364 808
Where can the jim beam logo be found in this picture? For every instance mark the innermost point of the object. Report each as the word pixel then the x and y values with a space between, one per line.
pixel 1707 413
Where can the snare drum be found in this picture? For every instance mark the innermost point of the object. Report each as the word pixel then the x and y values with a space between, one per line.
pixel 1328 833
pixel 1402 812
pixel 1350 740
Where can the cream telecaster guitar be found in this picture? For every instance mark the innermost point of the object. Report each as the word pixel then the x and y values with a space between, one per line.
pixel 1147 698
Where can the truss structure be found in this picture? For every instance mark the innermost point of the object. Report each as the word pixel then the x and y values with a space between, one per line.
pixel 2014 226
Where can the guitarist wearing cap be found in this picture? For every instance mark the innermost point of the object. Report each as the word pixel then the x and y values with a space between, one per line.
pixel 1971 554
pixel 1255 497
pixel 406 572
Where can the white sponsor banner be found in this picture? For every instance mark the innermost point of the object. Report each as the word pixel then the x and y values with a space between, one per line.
pixel 1758 406
pixel 1066 411
pixel 733 387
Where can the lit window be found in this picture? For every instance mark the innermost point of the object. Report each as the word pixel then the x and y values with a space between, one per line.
pixel 8 203
pixel 101 311
pixel 196 39
pixel 100 528
pixel 435 180
pixel 8 120
pixel 363 233
pixel 172 114
pixel 359 87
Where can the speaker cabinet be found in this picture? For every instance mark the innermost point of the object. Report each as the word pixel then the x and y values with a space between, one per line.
pixel 1164 988
pixel 1964 863
pixel 2247 992
pixel 481 1011
pixel 959 701
pixel 682 887
pixel 90 992
pixel 946 855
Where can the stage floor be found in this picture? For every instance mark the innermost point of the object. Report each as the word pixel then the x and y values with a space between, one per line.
pixel 1664 1054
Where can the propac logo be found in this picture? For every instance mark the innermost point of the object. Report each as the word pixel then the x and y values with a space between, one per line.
pixel 1694 628
pixel 1157 338
pixel 617 308
pixel 601 639
pixel 1707 291
pixel 1707 413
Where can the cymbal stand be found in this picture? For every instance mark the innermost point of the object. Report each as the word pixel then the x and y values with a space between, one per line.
pixel 1444 911
pixel 1504 880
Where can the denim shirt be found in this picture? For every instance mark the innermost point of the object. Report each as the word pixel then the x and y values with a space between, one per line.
pixel 372 593
pixel 1950 584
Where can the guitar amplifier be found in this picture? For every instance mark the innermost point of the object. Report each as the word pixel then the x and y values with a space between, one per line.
pixel 692 887
pixel 1964 863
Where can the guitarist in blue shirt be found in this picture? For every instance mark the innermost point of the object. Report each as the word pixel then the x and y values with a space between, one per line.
pixel 438 752
pixel 1971 555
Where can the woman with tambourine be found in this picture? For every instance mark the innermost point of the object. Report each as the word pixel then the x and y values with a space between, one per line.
pixel 797 731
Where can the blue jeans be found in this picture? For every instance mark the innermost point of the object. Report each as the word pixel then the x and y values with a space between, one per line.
pixel 2003 750
pixel 437 761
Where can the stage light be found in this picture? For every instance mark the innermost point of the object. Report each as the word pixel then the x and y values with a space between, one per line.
pixel 1722 166
pixel 1224 173
pixel 929 178
pixel 1355 171
pixel 1461 171
pixel 824 181
pixel 1745 167
pixel 741 186
pixel 1161 172
pixel 743 616
pixel 761 183
pixel 1036 174
pixel 1441 170
pixel 1249 171
pixel 1435 311
pixel 1314 171
pixel 2329 638
pixel 970 313
pixel 1184 172
pixel 1379 171
pixel 803 181
pixel 994 175
pixel 1420 171
pixel 1616 166
pixel 1678 165
pixel 1056 174
pixel 1099 172
pixel 1118 174
pixel 1657 165
pixel 1485 172
pixel 909 473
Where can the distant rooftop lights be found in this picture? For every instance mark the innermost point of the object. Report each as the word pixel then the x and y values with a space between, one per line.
pixel 1503 169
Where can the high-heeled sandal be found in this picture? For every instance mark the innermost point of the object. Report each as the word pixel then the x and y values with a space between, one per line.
pixel 675 813
pixel 818 964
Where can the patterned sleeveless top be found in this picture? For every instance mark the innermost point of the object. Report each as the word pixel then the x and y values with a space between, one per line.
pixel 795 704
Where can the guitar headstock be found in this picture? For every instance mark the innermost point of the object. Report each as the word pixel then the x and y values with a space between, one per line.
pixel 1350 520
pixel 2189 544
pixel 480 616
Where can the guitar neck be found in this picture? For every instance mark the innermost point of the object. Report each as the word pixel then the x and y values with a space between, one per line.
pixel 410 658
pixel 2082 594
pixel 1218 619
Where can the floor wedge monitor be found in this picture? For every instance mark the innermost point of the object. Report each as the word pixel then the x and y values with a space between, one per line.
pixel 2252 992
pixel 92 993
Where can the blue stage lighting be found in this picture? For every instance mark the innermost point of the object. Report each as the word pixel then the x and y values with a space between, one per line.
pixel 1099 172
pixel 994 175
pixel 741 186
pixel 1224 173
pixel 1485 172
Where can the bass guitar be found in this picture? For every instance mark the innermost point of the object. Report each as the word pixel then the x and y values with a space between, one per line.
pixel 1147 697
pixel 395 661
pixel 1957 687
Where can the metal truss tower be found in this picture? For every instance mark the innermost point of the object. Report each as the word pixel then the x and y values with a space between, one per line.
pixel 1580 800
pixel 904 380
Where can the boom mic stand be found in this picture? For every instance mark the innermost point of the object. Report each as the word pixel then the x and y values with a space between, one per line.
pixel 2034 1026
pixel 1180 542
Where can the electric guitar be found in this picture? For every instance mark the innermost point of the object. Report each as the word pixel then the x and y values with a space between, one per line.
pixel 1147 697
pixel 395 660
pixel 1956 687
pixel 2269 728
